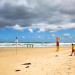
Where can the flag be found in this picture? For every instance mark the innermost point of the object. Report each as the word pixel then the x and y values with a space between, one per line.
pixel 16 39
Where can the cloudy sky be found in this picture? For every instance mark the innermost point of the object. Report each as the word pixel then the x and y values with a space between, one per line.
pixel 37 20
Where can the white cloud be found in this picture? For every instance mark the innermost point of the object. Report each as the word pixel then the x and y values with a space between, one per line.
pixel 20 28
pixel 44 27
pixel 53 35
pixel 68 26
pixel 30 29
pixel 52 27
pixel 17 27
pixel 67 34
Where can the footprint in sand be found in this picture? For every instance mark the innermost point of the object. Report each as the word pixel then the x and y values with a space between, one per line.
pixel 17 70
pixel 27 65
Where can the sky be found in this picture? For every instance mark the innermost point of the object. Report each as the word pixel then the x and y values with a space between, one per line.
pixel 37 20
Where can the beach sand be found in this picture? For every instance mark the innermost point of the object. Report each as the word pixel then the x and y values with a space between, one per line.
pixel 36 61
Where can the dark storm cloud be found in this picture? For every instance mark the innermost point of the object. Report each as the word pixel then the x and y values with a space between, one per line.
pixel 11 14
pixel 26 12
pixel 67 7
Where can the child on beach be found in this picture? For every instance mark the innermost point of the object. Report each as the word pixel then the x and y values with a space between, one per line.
pixel 73 50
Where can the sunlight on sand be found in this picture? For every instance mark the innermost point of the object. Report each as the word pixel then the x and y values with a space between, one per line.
pixel 36 61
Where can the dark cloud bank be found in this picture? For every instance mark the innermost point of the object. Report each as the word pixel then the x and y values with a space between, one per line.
pixel 27 12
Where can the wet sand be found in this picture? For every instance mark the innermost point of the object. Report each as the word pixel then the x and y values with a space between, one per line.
pixel 36 61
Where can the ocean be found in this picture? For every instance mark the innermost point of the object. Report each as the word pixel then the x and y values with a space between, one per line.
pixel 31 45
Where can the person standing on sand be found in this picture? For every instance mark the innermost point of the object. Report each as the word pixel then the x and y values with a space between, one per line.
pixel 57 43
pixel 73 50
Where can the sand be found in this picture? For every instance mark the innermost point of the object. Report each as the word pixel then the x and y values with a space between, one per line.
pixel 36 61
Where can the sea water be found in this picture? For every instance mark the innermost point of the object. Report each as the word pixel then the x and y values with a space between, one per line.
pixel 32 44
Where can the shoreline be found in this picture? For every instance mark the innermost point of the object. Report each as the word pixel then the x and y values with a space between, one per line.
pixel 33 45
